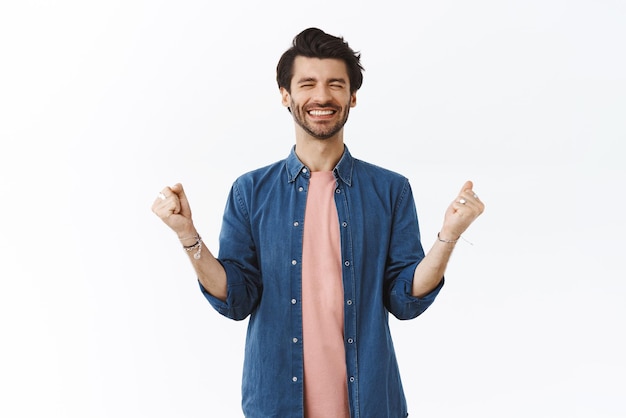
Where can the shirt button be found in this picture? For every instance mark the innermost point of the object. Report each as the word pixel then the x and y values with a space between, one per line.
pixel 293 301
pixel 350 340
pixel 295 340
pixel 352 378
pixel 295 379
pixel 300 188
pixel 294 262
pixel 337 190
pixel 349 302
pixel 296 223
pixel 344 224
pixel 304 170
pixel 347 263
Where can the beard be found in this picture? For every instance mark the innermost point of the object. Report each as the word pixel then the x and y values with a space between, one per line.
pixel 316 129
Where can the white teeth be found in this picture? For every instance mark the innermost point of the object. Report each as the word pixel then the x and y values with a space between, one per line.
pixel 321 112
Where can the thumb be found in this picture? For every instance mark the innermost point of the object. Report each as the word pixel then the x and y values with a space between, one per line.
pixel 178 189
pixel 467 186
pixel 182 198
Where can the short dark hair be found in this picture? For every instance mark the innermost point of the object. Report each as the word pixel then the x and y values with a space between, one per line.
pixel 315 43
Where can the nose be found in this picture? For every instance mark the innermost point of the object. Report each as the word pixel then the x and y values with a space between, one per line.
pixel 322 94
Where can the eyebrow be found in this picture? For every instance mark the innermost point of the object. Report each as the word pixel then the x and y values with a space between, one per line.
pixel 332 80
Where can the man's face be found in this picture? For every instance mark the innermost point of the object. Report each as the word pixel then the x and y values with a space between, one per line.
pixel 320 98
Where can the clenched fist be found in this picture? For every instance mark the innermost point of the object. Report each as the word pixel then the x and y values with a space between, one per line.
pixel 173 208
pixel 461 213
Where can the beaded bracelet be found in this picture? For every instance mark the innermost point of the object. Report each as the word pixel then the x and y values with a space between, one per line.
pixel 197 245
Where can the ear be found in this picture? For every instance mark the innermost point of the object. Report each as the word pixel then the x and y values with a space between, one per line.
pixel 353 99
pixel 286 97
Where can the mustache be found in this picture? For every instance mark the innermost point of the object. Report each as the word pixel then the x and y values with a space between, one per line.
pixel 321 106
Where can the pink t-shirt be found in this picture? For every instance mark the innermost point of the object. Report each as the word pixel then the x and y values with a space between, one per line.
pixel 325 385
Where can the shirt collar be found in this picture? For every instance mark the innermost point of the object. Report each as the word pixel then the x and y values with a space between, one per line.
pixel 343 169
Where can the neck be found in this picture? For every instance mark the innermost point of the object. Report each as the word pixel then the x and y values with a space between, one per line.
pixel 320 154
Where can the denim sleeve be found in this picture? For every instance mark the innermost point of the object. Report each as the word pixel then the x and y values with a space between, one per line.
pixel 238 256
pixel 405 306
pixel 405 253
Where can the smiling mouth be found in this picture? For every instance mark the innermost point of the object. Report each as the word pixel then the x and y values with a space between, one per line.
pixel 321 112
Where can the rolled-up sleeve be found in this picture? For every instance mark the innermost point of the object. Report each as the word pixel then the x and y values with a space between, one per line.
pixel 403 305
pixel 238 256
pixel 405 253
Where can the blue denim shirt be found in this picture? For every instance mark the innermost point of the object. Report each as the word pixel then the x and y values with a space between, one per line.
pixel 261 251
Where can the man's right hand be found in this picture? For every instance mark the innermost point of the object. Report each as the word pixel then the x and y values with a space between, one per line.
pixel 173 208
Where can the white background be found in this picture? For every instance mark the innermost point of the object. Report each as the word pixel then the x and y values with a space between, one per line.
pixel 104 103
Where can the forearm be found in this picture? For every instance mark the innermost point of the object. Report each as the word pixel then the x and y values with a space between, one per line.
pixel 459 215
pixel 173 208
pixel 210 272
pixel 431 269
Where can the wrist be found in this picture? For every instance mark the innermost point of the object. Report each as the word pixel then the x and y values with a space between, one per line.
pixel 196 247
pixel 188 236
pixel 447 238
